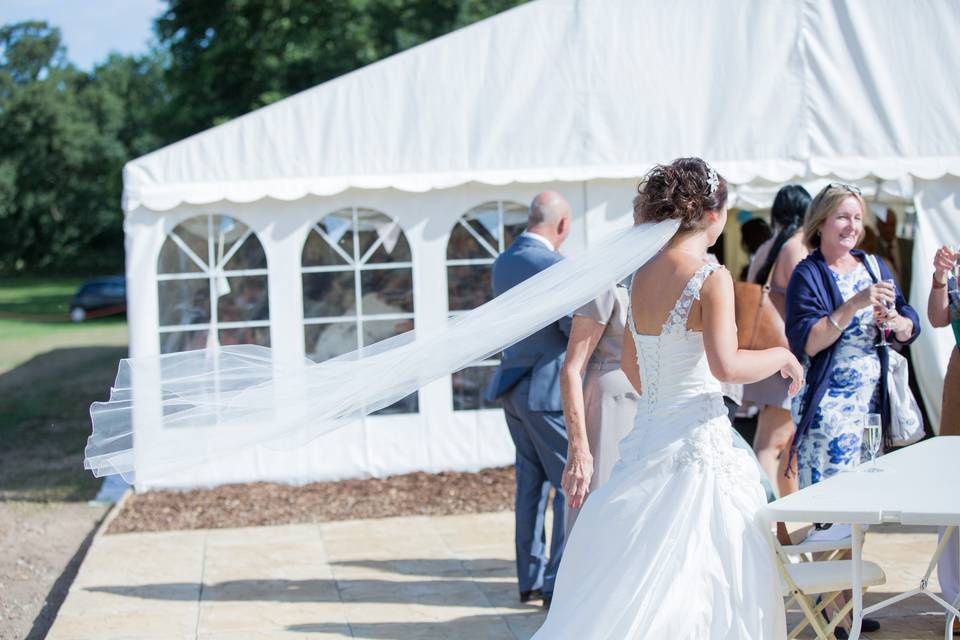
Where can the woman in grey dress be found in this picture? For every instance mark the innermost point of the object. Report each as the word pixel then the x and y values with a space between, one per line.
pixel 599 403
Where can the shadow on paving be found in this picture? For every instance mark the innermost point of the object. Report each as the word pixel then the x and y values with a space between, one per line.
pixel 468 626
pixel 421 592
pixel 433 566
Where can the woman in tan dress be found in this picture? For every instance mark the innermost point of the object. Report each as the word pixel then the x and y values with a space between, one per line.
pixel 599 403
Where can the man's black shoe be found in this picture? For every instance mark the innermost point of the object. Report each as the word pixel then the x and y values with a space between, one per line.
pixel 533 594
pixel 869 625
pixel 546 601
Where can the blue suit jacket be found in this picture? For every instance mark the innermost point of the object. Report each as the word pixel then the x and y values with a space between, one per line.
pixel 541 354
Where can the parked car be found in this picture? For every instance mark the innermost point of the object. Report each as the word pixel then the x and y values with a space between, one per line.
pixel 98 297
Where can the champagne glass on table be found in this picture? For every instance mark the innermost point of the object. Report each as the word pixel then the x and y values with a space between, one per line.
pixel 871 440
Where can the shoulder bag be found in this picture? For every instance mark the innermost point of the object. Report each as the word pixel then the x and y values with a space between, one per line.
pixel 759 325
pixel 906 421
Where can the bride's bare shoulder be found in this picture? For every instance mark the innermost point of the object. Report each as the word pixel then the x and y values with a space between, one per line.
pixel 717 283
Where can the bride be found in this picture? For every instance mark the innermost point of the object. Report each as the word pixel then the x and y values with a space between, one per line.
pixel 671 547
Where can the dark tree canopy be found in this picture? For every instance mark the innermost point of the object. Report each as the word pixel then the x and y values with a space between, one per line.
pixel 64 137
pixel 65 133
pixel 229 57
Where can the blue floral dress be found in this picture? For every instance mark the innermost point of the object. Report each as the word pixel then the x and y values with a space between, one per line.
pixel 834 442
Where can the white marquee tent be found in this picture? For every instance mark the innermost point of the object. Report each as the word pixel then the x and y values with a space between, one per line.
pixel 376 201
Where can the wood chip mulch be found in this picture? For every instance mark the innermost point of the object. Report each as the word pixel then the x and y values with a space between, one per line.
pixel 261 503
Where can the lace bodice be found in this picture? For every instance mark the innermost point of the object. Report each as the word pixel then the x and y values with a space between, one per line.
pixel 673 365
pixel 681 405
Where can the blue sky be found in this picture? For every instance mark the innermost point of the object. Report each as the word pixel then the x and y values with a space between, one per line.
pixel 91 28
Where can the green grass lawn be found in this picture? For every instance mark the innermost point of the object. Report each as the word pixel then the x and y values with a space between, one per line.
pixel 50 372
pixel 37 296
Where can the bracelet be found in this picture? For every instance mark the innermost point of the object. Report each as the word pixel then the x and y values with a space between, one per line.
pixel 834 323
pixel 937 284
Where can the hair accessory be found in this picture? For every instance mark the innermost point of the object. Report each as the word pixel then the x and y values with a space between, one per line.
pixel 713 180
pixel 850 188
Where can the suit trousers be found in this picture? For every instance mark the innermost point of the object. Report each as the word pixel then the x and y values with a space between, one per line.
pixel 540 438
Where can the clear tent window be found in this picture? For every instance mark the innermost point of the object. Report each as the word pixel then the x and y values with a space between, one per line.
pixel 478 237
pixel 357 278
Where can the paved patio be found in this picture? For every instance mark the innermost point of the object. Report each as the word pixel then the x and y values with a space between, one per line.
pixel 397 578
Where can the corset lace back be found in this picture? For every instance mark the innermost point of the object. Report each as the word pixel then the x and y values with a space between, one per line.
pixel 674 360
pixel 681 405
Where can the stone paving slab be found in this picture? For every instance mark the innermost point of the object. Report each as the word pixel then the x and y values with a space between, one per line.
pixel 397 578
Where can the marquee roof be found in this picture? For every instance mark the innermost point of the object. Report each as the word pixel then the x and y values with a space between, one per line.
pixel 584 89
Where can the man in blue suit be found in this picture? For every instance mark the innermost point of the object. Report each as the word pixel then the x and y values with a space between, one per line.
pixel 528 383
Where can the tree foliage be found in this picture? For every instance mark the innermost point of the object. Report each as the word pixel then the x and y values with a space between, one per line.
pixel 64 137
pixel 65 134
pixel 229 57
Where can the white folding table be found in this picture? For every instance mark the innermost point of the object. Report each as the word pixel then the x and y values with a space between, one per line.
pixel 918 486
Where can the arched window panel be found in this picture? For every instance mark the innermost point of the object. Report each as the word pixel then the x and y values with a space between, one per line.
pixel 387 291
pixel 212 258
pixel 479 236
pixel 380 239
pixel 468 286
pixel 357 277
pixel 469 385
pixel 329 294
pixel 190 340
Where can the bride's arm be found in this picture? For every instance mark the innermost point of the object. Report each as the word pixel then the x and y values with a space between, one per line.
pixel 728 362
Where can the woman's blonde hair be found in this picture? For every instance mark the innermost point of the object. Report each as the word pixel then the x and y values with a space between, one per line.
pixel 824 204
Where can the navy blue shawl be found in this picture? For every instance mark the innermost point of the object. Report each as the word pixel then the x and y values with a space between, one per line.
pixel 812 294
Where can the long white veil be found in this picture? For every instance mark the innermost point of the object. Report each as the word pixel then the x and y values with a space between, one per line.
pixel 234 397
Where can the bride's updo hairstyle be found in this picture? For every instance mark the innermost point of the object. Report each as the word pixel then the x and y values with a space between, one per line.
pixel 683 190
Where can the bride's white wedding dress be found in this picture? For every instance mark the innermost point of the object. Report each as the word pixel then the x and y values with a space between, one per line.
pixel 671 547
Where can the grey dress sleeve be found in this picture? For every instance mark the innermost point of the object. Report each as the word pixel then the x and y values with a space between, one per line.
pixel 600 308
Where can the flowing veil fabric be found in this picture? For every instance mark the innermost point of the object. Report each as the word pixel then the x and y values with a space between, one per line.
pixel 233 397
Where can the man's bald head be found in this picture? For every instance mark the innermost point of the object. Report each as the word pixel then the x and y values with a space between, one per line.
pixel 549 217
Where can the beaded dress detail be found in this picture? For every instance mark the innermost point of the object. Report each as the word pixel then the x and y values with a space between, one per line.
pixel 671 546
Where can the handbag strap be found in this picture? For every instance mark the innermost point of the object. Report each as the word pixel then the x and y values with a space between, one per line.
pixel 773 268
pixel 874 269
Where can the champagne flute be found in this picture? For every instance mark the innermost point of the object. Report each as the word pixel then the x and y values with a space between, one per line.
pixel 871 440
pixel 883 324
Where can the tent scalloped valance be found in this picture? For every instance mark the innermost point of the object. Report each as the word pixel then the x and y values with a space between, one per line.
pixel 169 196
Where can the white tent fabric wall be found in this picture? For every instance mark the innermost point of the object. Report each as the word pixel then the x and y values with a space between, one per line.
pixel 577 95
pixel 436 438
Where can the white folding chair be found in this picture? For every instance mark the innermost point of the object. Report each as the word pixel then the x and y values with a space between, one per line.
pixel 804 551
pixel 804 581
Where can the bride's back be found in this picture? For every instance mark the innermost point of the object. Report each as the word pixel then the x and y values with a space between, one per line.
pixel 656 288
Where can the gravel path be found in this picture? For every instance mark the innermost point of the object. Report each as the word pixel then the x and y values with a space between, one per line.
pixel 43 545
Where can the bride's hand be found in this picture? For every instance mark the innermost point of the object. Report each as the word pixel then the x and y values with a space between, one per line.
pixel 793 371
pixel 576 477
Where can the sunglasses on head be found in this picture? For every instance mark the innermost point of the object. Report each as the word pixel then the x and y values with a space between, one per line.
pixel 846 187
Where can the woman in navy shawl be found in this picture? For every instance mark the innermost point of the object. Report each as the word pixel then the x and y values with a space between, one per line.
pixel 834 302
